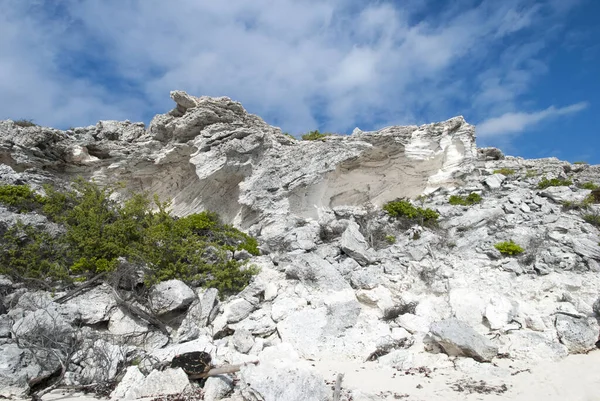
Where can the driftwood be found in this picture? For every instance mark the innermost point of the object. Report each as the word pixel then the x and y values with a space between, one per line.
pixel 84 287
pixel 140 313
pixel 221 371
pixel 338 387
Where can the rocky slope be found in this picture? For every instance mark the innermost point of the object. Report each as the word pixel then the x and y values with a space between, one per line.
pixel 341 283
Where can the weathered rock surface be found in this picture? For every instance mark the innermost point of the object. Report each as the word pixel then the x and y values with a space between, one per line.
pixel 459 339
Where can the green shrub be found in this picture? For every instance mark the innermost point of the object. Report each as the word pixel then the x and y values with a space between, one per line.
pixel 20 198
pixel 469 200
pixel 390 239
pixel 588 185
pixel 592 218
pixel 289 135
pixel 98 230
pixel 531 174
pixel 580 162
pixel 504 171
pixel 509 248
pixel 314 136
pixel 405 209
pixel 554 182
pixel 25 123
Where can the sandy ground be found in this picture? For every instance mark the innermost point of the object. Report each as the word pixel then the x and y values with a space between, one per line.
pixel 575 378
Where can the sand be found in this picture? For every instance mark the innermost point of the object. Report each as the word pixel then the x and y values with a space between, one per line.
pixel 575 378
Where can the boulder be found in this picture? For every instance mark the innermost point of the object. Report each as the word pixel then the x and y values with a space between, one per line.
pixel 238 310
pixel 579 335
pixel 354 245
pixel 458 339
pixel 169 296
pixel 94 306
pixel 242 340
pixel 217 388
pixel 494 181
pixel 296 379
pixel 18 366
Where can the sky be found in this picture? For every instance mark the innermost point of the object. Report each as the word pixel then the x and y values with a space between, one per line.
pixel 525 72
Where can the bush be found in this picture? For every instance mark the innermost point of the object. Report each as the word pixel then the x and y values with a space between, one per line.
pixel 504 171
pixel 405 209
pixel 20 198
pixel 592 218
pixel 588 185
pixel 554 182
pixel 98 231
pixel 580 162
pixel 509 248
pixel 390 239
pixel 314 136
pixel 469 200
pixel 25 123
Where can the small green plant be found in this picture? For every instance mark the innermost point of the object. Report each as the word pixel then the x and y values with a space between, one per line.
pixel 509 248
pixel 390 239
pixel 554 182
pixel 469 200
pixel 504 171
pixel 314 136
pixel 289 135
pixel 531 174
pixel 588 185
pixel 580 162
pixel 25 123
pixel 592 218
pixel 20 197
pixel 405 209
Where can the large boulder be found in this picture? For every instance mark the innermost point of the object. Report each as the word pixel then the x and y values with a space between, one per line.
pixel 353 244
pixel 457 338
pixel 579 335
pixel 296 379
pixel 169 296
pixel 18 366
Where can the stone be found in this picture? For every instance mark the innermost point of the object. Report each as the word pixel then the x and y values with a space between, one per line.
pixel 283 306
pixel 494 181
pixel 17 367
pixel 217 388
pixel 296 379
pixel 169 296
pixel 458 339
pixel 499 312
pixel 129 388
pixel 183 99
pixel 242 340
pixel 238 310
pixel 94 306
pixel 354 245
pixel 579 335
pixel 166 382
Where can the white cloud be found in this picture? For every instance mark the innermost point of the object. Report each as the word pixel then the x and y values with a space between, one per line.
pixel 513 123
pixel 295 62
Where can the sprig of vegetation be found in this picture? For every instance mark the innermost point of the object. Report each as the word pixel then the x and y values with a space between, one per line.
pixel 390 239
pixel 509 248
pixel 554 182
pixel 25 123
pixel 405 209
pixel 588 185
pixel 469 200
pixel 580 162
pixel 197 248
pixel 504 171
pixel 314 136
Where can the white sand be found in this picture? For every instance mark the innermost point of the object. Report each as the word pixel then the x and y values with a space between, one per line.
pixel 575 378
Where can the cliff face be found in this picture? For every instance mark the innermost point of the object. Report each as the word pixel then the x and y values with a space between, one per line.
pixel 340 281
pixel 211 154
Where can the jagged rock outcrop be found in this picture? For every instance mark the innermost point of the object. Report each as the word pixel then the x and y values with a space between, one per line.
pixel 340 281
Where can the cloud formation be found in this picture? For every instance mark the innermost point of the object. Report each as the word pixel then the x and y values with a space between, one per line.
pixel 300 64
pixel 513 123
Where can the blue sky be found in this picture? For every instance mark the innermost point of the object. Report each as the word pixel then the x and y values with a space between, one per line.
pixel 525 72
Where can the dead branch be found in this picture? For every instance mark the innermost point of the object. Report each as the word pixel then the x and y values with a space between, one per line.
pixel 84 287
pixel 221 371
pixel 338 387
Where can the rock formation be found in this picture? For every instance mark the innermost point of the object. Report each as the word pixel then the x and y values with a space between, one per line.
pixel 340 281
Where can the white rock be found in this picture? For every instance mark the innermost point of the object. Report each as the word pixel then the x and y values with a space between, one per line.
pixel 237 310
pixel 578 335
pixel 170 295
pixel 129 388
pixel 458 338
pixel 354 245
pixel 217 388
